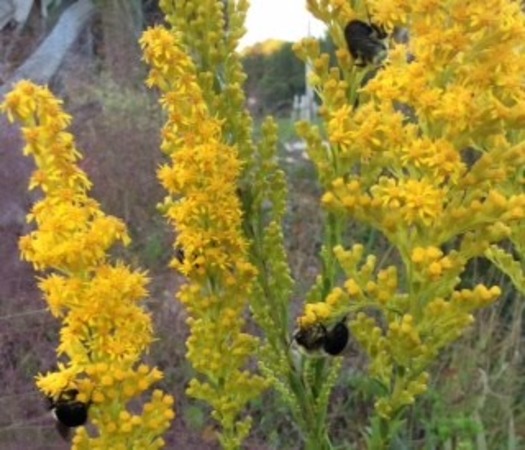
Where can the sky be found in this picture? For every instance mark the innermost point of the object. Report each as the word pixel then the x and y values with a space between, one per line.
pixel 286 20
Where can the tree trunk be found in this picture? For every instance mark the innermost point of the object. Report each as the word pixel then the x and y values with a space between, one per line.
pixel 42 65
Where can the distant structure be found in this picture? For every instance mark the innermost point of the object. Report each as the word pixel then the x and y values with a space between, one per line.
pixel 304 106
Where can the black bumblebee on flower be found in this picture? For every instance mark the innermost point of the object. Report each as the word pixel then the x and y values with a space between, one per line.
pixel 366 42
pixel 68 411
pixel 318 338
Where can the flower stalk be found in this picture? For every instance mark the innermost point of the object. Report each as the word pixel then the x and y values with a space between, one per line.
pixel 204 209
pixel 426 149
pixel 104 330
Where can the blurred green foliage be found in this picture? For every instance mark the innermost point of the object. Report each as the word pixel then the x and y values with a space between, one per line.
pixel 275 76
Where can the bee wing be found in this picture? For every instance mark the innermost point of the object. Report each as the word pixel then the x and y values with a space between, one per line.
pixel 64 431
pixel 366 45
pixel 336 339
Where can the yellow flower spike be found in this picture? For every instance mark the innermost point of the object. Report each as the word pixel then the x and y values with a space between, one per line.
pixel 206 212
pixel 71 240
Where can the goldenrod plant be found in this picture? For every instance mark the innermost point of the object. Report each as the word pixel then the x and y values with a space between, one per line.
pixel 414 146
pixel 207 33
pixel 419 141
pixel 105 331
pixel 425 146
pixel 212 251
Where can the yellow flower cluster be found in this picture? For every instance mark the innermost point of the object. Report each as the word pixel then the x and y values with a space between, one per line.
pixel 210 30
pixel 204 209
pixel 427 149
pixel 105 331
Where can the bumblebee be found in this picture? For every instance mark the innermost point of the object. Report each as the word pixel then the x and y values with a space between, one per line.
pixel 68 412
pixel 366 43
pixel 318 338
pixel 180 255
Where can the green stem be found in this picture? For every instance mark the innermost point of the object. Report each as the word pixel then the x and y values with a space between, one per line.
pixel 384 431
pixel 313 422
pixel 318 441
pixel 380 434
pixel 333 232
